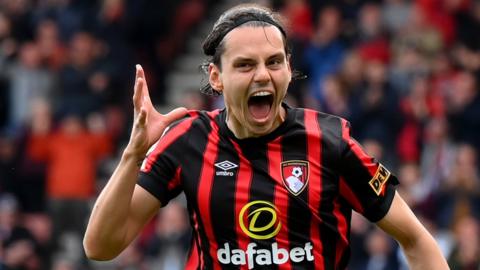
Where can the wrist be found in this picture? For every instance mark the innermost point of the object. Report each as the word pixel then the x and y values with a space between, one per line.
pixel 130 156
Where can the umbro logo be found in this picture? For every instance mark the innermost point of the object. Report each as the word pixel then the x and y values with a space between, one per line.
pixel 225 167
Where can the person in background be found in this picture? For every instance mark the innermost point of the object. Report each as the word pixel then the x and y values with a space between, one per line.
pixel 466 253
pixel 71 153
pixel 168 247
pixel 18 246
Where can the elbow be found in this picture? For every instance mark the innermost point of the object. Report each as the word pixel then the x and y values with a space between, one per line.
pixel 97 256
pixel 95 251
pixel 410 243
pixel 414 246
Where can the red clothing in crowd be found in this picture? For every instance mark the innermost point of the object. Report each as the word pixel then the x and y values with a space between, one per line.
pixel 71 162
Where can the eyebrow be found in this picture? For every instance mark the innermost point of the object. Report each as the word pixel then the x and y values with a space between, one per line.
pixel 245 58
pixel 242 59
pixel 277 55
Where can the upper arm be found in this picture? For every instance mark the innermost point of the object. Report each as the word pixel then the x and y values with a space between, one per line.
pixel 364 183
pixel 143 207
pixel 401 223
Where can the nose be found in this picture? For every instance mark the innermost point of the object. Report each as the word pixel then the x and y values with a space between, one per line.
pixel 262 74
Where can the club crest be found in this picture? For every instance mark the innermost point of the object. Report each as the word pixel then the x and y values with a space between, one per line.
pixel 295 175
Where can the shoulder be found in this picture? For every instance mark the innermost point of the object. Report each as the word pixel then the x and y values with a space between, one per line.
pixel 204 116
pixel 205 119
pixel 194 120
pixel 329 129
pixel 326 122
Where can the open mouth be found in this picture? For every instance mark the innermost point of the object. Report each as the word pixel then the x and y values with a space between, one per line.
pixel 260 104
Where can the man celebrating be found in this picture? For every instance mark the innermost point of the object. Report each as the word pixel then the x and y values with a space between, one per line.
pixel 267 186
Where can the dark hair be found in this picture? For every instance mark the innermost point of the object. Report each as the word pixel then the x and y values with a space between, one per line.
pixel 241 15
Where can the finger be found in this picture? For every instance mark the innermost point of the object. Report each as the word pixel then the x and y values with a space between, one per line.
pixel 175 115
pixel 141 74
pixel 135 87
pixel 138 71
pixel 138 95
pixel 142 118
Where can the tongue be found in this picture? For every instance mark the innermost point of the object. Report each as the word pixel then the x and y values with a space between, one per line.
pixel 259 110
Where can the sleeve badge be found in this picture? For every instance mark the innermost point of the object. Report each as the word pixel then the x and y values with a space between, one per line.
pixel 377 183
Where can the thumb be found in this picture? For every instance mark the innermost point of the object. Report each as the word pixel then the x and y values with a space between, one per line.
pixel 174 115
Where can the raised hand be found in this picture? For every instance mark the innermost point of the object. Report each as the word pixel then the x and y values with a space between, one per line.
pixel 148 124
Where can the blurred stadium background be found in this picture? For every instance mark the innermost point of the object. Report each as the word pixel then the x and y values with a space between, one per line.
pixel 406 73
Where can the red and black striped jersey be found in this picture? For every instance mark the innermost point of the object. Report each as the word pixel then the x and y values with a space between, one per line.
pixel 281 201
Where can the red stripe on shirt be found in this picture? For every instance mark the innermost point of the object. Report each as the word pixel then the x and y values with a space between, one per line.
pixel 176 179
pixel 193 113
pixel 367 161
pixel 342 228
pixel 348 194
pixel 205 188
pixel 213 114
pixel 314 153
pixel 274 155
pixel 166 140
pixel 242 191
pixel 193 263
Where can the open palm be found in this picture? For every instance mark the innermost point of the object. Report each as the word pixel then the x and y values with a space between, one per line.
pixel 149 124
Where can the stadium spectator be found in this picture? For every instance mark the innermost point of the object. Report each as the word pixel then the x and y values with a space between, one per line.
pixel 28 81
pixel 51 48
pixel 466 253
pixel 324 54
pixel 18 246
pixel 438 155
pixel 84 85
pixel 380 250
pixel 71 153
pixel 374 107
pixel 460 193
pixel 463 109
pixel 168 246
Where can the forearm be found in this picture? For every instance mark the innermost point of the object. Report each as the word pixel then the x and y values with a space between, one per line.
pixel 123 208
pixel 108 225
pixel 423 253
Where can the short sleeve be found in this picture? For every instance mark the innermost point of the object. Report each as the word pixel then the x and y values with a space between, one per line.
pixel 367 185
pixel 160 173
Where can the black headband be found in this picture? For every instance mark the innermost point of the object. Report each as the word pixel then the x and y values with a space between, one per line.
pixel 240 21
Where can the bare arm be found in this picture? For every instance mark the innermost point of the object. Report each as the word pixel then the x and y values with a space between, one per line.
pixel 119 213
pixel 418 245
pixel 123 208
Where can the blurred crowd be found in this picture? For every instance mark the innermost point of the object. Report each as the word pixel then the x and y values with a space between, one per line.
pixel 406 74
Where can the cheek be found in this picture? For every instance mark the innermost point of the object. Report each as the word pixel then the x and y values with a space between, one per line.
pixel 281 83
pixel 236 88
pixel 232 98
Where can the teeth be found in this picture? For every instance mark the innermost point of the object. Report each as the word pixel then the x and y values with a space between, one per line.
pixel 261 94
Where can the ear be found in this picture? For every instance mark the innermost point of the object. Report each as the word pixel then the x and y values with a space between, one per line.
pixel 215 77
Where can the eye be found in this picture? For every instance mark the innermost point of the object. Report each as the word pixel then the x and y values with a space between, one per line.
pixel 275 62
pixel 243 66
